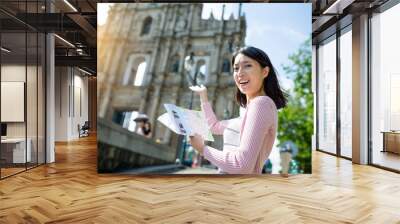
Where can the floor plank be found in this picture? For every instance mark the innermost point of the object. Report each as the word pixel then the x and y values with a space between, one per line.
pixel 71 191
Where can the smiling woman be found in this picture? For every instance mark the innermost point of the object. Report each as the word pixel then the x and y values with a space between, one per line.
pixel 259 92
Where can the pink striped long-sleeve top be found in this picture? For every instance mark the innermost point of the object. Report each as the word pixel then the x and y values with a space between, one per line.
pixel 257 136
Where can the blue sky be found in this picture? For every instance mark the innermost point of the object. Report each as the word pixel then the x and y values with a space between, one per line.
pixel 277 28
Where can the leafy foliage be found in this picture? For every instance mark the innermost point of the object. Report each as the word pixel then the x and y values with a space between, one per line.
pixel 296 119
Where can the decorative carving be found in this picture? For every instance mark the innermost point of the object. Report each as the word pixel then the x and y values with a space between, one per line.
pixel 181 25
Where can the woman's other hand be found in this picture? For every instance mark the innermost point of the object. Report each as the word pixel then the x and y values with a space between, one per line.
pixel 197 142
pixel 201 90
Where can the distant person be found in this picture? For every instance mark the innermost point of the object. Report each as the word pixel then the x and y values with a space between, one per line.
pixel 147 129
pixel 144 129
pixel 258 91
pixel 144 126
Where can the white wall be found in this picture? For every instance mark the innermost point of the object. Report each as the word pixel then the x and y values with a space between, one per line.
pixel 61 103
pixel 33 126
pixel 16 73
pixel 79 117
pixel 71 94
pixel 12 73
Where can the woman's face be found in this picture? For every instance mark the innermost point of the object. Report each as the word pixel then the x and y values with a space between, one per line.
pixel 249 76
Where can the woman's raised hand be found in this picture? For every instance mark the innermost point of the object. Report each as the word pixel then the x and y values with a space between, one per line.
pixel 201 90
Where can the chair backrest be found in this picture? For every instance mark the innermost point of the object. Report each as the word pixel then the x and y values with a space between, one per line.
pixel 86 125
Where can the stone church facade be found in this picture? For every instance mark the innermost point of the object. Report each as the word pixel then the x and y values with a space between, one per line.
pixel 156 38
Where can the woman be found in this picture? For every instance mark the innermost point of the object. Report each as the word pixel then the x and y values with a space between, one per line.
pixel 147 129
pixel 144 128
pixel 258 91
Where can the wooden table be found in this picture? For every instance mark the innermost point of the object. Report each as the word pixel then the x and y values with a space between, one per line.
pixel 391 141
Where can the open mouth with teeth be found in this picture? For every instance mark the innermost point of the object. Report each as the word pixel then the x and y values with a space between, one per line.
pixel 243 83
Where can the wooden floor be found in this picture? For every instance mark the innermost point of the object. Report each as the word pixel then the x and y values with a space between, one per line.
pixel 387 159
pixel 10 171
pixel 71 191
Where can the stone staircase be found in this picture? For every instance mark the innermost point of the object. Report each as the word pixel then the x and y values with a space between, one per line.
pixel 120 149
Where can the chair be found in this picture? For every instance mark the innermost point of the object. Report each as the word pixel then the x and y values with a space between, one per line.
pixel 84 130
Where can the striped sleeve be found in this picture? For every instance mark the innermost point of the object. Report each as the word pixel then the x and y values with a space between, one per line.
pixel 217 127
pixel 260 118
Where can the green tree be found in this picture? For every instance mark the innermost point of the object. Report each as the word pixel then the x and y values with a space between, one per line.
pixel 296 119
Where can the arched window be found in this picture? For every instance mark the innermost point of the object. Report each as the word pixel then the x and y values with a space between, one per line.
pixel 175 64
pixel 146 26
pixel 201 72
pixel 226 66
pixel 139 77
pixel 135 71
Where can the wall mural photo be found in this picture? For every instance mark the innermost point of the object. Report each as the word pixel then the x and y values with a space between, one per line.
pixel 204 88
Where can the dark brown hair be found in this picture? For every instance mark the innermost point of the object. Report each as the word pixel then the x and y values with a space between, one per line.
pixel 270 84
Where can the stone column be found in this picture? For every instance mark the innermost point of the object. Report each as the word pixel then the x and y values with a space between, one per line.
pixel 159 83
pixel 113 64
